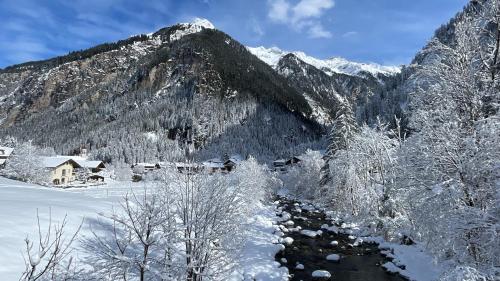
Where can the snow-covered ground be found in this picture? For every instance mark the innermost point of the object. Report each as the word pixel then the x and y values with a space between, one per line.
pixel 257 261
pixel 20 201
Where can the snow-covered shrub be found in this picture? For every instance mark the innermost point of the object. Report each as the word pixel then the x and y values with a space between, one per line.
pixel 121 171
pixel 47 257
pixel 303 180
pixel 254 181
pixel 464 273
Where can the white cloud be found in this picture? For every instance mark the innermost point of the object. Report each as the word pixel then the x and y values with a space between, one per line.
pixel 350 34
pixel 318 31
pixel 306 9
pixel 304 15
pixel 279 10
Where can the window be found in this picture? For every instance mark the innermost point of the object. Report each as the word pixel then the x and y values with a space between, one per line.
pixel 63 172
pixel 62 180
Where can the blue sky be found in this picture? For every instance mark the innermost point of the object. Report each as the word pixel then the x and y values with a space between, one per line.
pixel 381 31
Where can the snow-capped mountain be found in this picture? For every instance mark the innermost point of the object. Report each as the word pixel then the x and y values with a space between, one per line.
pixel 187 83
pixel 272 56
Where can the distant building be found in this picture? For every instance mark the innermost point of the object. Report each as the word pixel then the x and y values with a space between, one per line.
pixel 91 170
pixel 61 170
pixel 279 164
pixel 145 167
pixel 93 166
pixel 214 165
pixel 292 161
pixel 5 153
pixel 232 162
pixel 189 168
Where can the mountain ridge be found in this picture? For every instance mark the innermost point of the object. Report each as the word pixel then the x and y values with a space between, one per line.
pixel 331 65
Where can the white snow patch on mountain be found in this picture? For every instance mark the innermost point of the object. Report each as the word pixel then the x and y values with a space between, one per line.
pixel 272 55
pixel 195 26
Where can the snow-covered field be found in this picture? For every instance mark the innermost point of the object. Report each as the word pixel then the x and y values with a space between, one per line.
pixel 20 201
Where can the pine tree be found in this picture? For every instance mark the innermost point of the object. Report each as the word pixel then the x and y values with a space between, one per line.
pixel 343 129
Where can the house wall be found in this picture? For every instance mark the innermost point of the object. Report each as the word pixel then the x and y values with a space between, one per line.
pixel 57 174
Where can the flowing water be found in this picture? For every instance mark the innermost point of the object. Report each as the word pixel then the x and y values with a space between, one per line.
pixel 359 263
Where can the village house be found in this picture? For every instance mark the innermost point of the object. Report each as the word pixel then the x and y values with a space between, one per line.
pixel 279 165
pixel 218 165
pixel 92 166
pixel 188 167
pixel 61 170
pixel 293 161
pixel 232 162
pixel 213 165
pixel 92 170
pixel 88 170
pixel 144 167
pixel 5 153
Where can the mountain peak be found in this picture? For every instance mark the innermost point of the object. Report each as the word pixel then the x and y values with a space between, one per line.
pixel 195 26
pixel 200 22
pixel 272 56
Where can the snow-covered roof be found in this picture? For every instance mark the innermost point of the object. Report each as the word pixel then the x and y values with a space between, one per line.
pixel 2 161
pixel 53 162
pixel 218 165
pixel 89 164
pixel 82 161
pixel 145 164
pixel 214 160
pixel 272 56
pixel 236 158
pixel 5 151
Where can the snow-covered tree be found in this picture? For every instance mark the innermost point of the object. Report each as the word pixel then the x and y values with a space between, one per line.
pixel 254 181
pixel 343 130
pixel 359 173
pixel 450 163
pixel 47 257
pixel 129 243
pixel 210 214
pixel 25 164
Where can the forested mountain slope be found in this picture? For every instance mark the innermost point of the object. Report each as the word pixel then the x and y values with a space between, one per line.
pixel 143 98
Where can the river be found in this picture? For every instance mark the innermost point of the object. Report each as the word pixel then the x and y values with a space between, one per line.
pixel 357 263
